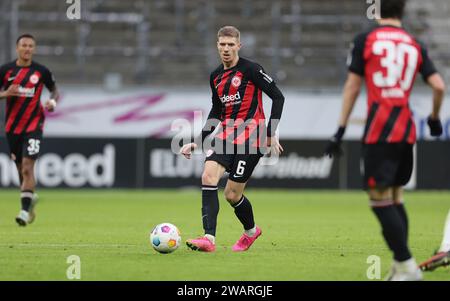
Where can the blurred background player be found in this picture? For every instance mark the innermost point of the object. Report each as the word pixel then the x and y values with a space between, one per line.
pixel 442 256
pixel 388 59
pixel 23 81
pixel 236 86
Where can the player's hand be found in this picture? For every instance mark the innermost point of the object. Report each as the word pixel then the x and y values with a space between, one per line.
pixel 13 90
pixel 187 150
pixel 334 147
pixel 435 126
pixel 274 145
pixel 50 105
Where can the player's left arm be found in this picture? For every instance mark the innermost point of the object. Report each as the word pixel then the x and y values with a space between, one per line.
pixel 269 87
pixel 50 83
pixel 431 76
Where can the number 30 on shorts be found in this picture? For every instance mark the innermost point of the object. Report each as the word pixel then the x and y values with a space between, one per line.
pixel 33 146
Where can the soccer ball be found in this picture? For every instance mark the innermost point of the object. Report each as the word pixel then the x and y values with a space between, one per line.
pixel 165 238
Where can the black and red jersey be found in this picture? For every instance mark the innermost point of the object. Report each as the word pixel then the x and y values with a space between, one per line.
pixel 237 101
pixel 24 113
pixel 389 59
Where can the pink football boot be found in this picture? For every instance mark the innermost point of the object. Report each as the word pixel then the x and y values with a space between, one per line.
pixel 201 244
pixel 245 242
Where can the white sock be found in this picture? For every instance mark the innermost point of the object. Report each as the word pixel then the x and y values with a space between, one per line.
pixel 407 266
pixel 445 245
pixel 251 232
pixel 211 238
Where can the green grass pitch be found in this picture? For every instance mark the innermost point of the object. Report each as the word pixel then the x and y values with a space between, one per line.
pixel 307 235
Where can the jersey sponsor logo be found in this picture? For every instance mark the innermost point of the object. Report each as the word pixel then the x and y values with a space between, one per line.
pixel 266 77
pixel 34 79
pixel 236 81
pixel 27 92
pixel 228 98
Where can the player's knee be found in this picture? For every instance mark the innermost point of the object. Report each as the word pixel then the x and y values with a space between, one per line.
pixel 209 179
pixel 232 196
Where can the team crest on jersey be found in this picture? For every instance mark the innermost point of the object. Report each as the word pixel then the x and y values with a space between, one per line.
pixel 236 81
pixel 34 79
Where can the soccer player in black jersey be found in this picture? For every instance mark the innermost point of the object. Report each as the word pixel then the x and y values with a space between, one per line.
pixel 388 59
pixel 23 81
pixel 236 86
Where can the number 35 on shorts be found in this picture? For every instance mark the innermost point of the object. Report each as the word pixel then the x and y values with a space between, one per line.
pixel 34 146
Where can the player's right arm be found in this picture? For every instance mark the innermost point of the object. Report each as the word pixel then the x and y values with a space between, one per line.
pixel 13 90
pixel 350 94
pixel 211 123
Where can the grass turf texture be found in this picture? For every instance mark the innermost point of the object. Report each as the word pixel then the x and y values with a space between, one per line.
pixel 307 235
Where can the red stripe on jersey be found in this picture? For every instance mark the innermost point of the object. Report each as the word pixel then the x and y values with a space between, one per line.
pixel 220 86
pixel 255 122
pixel 398 131
pixel 17 104
pixel 34 123
pixel 226 132
pixel 5 79
pixel 260 106
pixel 250 127
pixel 378 123
pixel 246 101
pixel 29 110
pixel 412 134
pixel 233 91
pixel 230 124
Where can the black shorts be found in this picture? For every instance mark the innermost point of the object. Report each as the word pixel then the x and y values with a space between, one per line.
pixel 387 164
pixel 24 145
pixel 240 166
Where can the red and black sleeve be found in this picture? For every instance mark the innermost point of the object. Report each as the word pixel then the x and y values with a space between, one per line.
pixel 268 86
pixel 427 68
pixel 48 79
pixel 355 60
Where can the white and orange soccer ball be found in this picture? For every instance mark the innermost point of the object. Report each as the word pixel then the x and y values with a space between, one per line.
pixel 165 238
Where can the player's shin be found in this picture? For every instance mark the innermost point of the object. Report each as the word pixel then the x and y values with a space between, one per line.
pixel 404 216
pixel 210 210
pixel 244 212
pixel 393 228
pixel 26 198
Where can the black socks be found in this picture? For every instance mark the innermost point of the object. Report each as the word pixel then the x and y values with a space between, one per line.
pixel 210 209
pixel 244 212
pixel 393 228
pixel 26 198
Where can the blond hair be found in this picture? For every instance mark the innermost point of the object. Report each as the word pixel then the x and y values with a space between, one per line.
pixel 229 31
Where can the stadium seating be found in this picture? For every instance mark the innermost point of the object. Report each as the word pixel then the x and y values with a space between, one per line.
pixel 303 43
